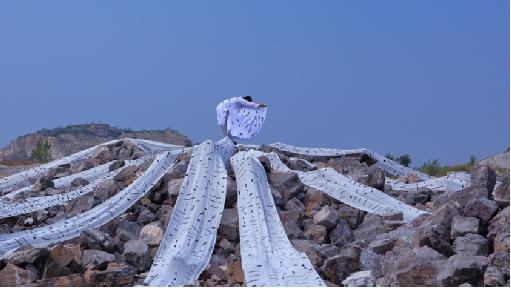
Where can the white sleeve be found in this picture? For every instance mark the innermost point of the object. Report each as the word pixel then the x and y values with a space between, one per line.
pixel 245 104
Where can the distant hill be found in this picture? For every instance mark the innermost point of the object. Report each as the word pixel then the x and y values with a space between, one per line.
pixel 68 140
pixel 500 160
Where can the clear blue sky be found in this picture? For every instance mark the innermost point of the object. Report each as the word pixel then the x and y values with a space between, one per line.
pixel 429 78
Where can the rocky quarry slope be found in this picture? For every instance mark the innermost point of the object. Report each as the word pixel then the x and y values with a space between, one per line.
pixel 463 241
pixel 67 140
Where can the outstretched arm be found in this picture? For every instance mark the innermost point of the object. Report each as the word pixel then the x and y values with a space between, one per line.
pixel 244 103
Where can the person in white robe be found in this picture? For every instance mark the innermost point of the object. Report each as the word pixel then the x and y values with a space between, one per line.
pixel 240 118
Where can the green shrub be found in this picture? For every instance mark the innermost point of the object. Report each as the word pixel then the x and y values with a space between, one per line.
pixel 42 151
pixel 431 167
pixel 404 159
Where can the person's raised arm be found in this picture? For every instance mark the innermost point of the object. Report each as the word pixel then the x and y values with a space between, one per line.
pixel 244 103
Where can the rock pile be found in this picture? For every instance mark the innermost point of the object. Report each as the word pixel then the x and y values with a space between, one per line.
pixel 463 241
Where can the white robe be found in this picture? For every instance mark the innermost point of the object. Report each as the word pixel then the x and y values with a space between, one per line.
pixel 243 119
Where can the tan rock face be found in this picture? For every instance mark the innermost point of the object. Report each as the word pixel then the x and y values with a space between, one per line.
pixel 71 139
pixel 13 275
pixel 64 254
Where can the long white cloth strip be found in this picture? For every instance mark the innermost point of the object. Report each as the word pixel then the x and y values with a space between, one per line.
pixel 384 163
pixel 89 175
pixel 153 147
pixel 347 190
pixel 268 258
pixel 191 234
pixel 97 216
pixel 20 180
pixel 450 183
pixel 8 209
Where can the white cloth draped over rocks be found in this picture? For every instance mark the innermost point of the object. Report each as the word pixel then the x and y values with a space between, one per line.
pixel 241 119
pixel 268 258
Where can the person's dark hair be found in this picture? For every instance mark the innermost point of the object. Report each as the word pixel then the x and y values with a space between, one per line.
pixel 248 98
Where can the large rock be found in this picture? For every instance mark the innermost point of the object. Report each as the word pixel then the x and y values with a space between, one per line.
pixel 370 228
pixel 136 253
pixel 12 275
pixel 341 234
pixel 501 193
pixel 105 189
pixel 97 239
pixel 498 230
pixel 493 277
pixel 79 181
pixel 287 183
pixel 500 260
pixel 151 234
pixel 292 230
pixel 421 195
pixel 146 216
pixel 353 216
pixel 483 176
pixel 309 248
pixel 371 176
pixel 294 216
pixel 314 201
pixel 463 225
pixel 462 268
pixel 232 193
pixel 82 204
pixel 499 224
pixel 463 196
pixel 229 225
pixel 126 173
pixel 412 267
pixel 43 184
pixel 294 204
pixel 27 255
pixel 317 233
pixel 434 231
pixel 327 217
pixel 127 230
pixel 336 268
pixel 97 258
pixel 471 244
pixel 115 275
pixel 65 254
pixel 483 208
pixel 372 256
pixel 501 242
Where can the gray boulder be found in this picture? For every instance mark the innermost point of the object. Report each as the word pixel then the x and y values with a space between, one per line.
pixel 463 225
pixel 229 225
pixel 471 244
pixel 403 266
pixel 97 258
pixel 136 253
pixel 341 234
pixel 462 268
pixel 327 217
pixel 483 208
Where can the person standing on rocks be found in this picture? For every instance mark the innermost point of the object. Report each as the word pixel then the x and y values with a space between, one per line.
pixel 240 118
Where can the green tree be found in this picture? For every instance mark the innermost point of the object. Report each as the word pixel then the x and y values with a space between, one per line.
pixel 472 160
pixel 431 167
pixel 42 152
pixel 404 159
